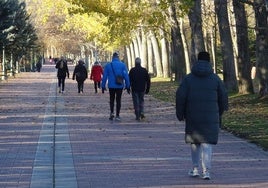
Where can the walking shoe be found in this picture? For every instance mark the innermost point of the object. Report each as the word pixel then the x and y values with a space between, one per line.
pixel 142 117
pixel 111 116
pixel 117 118
pixel 59 90
pixel 205 175
pixel 193 173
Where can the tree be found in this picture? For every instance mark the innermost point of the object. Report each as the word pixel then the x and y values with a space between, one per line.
pixel 243 61
pixel 262 44
pixel 229 75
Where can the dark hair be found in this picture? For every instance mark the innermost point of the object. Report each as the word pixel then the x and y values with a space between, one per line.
pixel 204 56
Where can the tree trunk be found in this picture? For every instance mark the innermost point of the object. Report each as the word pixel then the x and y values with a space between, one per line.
pixel 229 75
pixel 178 58
pixel 150 56
pixel 157 57
pixel 261 45
pixel 144 55
pixel 243 60
pixel 164 52
pixel 197 43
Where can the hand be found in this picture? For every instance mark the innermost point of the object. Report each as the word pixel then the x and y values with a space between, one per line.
pixel 103 89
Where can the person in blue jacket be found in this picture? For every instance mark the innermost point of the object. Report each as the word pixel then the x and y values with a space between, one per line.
pixel 201 100
pixel 111 71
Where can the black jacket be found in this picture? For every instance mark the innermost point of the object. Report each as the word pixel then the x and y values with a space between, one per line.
pixel 62 69
pixel 200 101
pixel 139 79
pixel 80 72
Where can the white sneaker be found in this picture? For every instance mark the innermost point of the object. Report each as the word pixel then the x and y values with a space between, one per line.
pixel 194 172
pixel 117 118
pixel 205 175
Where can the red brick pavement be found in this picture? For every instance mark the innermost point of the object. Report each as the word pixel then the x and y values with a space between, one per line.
pixel 113 154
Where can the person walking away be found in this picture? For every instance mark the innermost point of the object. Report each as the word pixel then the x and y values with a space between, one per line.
pixel 140 83
pixel 201 100
pixel 96 75
pixel 113 70
pixel 80 74
pixel 39 65
pixel 63 71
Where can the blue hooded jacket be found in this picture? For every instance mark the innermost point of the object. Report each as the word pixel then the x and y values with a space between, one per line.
pixel 119 69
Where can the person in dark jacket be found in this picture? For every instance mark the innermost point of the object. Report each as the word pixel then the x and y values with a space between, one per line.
pixel 80 74
pixel 63 71
pixel 201 100
pixel 111 70
pixel 140 83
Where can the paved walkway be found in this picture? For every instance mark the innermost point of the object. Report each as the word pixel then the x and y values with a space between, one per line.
pixel 65 140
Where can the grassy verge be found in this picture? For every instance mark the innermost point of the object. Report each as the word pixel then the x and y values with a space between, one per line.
pixel 247 116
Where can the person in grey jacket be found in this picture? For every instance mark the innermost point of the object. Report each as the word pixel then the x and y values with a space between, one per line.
pixel 201 100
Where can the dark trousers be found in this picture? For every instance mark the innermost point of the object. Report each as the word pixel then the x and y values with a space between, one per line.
pixel 61 83
pixel 115 94
pixel 80 85
pixel 138 103
pixel 96 86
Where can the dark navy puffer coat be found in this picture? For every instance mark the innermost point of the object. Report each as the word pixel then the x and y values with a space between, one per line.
pixel 201 99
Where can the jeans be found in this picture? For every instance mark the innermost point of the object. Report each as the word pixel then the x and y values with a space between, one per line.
pixel 115 94
pixel 138 103
pixel 201 152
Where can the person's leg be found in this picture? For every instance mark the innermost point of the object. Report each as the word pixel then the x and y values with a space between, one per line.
pixel 206 157
pixel 118 101
pixel 141 104
pixel 99 84
pixel 59 84
pixel 79 86
pixel 62 84
pixel 195 154
pixel 135 100
pixel 112 97
pixel 82 86
pixel 95 86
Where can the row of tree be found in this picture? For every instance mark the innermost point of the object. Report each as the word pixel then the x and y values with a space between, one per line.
pixel 166 34
pixel 17 35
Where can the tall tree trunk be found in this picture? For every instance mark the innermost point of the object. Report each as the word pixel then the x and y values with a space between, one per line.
pixel 195 18
pixel 150 56
pixel 144 55
pixel 157 57
pixel 132 53
pixel 177 52
pixel 262 45
pixel 229 75
pixel 164 52
pixel 243 60
pixel 185 47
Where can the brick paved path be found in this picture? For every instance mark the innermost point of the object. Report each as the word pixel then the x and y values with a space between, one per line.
pixel 65 140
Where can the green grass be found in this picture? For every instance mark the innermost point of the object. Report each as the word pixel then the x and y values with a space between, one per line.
pixel 247 116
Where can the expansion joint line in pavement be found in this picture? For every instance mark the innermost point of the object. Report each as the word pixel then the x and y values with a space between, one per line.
pixel 53 165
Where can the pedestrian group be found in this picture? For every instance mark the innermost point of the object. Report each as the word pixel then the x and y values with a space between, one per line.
pixel 201 99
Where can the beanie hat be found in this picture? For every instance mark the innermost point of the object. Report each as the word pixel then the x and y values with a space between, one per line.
pixel 204 56
pixel 115 55
pixel 138 60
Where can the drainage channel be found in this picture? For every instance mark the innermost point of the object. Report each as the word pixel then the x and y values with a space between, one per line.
pixel 53 165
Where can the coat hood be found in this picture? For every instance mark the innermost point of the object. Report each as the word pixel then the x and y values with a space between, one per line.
pixel 202 68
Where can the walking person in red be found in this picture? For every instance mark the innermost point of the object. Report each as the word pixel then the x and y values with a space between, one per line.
pixel 96 75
